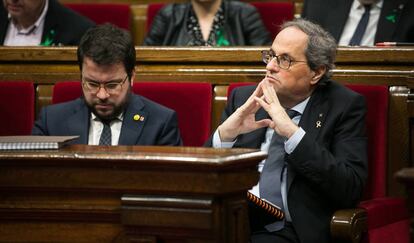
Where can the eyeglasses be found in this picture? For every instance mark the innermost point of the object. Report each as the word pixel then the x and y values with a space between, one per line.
pixel 283 61
pixel 111 87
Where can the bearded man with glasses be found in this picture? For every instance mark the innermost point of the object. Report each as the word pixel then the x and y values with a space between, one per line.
pixel 108 113
pixel 313 130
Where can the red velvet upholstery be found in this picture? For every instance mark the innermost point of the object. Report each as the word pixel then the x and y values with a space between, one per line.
pixel 16 108
pixel 66 91
pixel 388 219
pixel 191 101
pixel 273 14
pixel 115 13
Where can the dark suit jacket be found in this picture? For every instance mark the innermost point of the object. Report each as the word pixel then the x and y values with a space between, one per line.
pixel 62 25
pixel 333 14
pixel 159 127
pixel 243 26
pixel 328 168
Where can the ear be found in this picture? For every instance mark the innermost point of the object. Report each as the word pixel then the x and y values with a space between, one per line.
pixel 132 77
pixel 317 74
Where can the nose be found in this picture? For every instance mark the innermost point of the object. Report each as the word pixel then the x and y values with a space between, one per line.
pixel 102 94
pixel 272 66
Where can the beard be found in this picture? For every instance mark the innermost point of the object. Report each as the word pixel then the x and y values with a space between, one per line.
pixel 116 109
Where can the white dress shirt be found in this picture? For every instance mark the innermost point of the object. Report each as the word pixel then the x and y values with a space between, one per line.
pixel 96 127
pixel 290 145
pixel 31 36
pixel 355 14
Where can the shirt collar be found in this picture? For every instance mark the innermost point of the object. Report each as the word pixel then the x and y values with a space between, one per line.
pixel 120 117
pixel 357 5
pixel 32 29
pixel 301 106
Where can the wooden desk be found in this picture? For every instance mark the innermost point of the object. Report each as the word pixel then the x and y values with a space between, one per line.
pixel 100 194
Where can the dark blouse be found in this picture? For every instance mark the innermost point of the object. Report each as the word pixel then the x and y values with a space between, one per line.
pixel 235 24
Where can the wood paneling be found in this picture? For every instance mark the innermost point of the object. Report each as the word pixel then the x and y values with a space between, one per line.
pixel 121 193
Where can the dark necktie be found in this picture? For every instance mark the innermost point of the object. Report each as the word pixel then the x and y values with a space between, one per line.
pixel 106 136
pixel 361 27
pixel 271 176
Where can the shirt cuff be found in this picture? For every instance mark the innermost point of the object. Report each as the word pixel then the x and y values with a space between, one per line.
pixel 217 143
pixel 294 140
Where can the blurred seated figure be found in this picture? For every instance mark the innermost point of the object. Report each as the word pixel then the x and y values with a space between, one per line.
pixel 208 23
pixel 363 22
pixel 40 22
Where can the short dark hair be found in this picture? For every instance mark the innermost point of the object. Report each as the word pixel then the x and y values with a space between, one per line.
pixel 321 49
pixel 107 44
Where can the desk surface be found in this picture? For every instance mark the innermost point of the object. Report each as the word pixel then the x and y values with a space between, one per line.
pixel 139 156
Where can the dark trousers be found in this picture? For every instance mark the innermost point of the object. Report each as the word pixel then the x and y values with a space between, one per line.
pixel 285 235
pixel 258 218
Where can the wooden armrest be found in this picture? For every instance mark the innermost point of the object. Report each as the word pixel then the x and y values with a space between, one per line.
pixel 347 225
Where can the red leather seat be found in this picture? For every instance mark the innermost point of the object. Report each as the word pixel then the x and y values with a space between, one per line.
pixel 191 101
pixel 16 107
pixel 115 13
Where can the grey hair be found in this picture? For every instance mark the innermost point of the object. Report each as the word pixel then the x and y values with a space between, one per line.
pixel 321 49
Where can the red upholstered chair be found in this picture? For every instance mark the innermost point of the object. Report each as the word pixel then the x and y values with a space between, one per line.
pixel 191 101
pixel 273 14
pixel 378 219
pixel 16 108
pixel 66 91
pixel 115 13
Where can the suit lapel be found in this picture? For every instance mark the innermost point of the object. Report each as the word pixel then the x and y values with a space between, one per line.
pixel 389 19
pixel 133 123
pixel 4 22
pixel 50 27
pixel 78 123
pixel 336 19
pixel 312 121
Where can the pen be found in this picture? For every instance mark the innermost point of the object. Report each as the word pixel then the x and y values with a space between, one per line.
pixel 394 44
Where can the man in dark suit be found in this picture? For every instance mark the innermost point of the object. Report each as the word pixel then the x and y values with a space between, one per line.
pixel 40 22
pixel 109 113
pixel 389 20
pixel 322 153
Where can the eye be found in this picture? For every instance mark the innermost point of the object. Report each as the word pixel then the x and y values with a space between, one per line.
pixel 93 84
pixel 284 58
pixel 111 85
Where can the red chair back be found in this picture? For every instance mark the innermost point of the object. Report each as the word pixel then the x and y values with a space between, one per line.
pixel 376 98
pixel 273 14
pixel 66 91
pixel 115 13
pixel 16 107
pixel 191 101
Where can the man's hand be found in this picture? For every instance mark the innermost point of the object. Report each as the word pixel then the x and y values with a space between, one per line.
pixel 281 122
pixel 243 119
